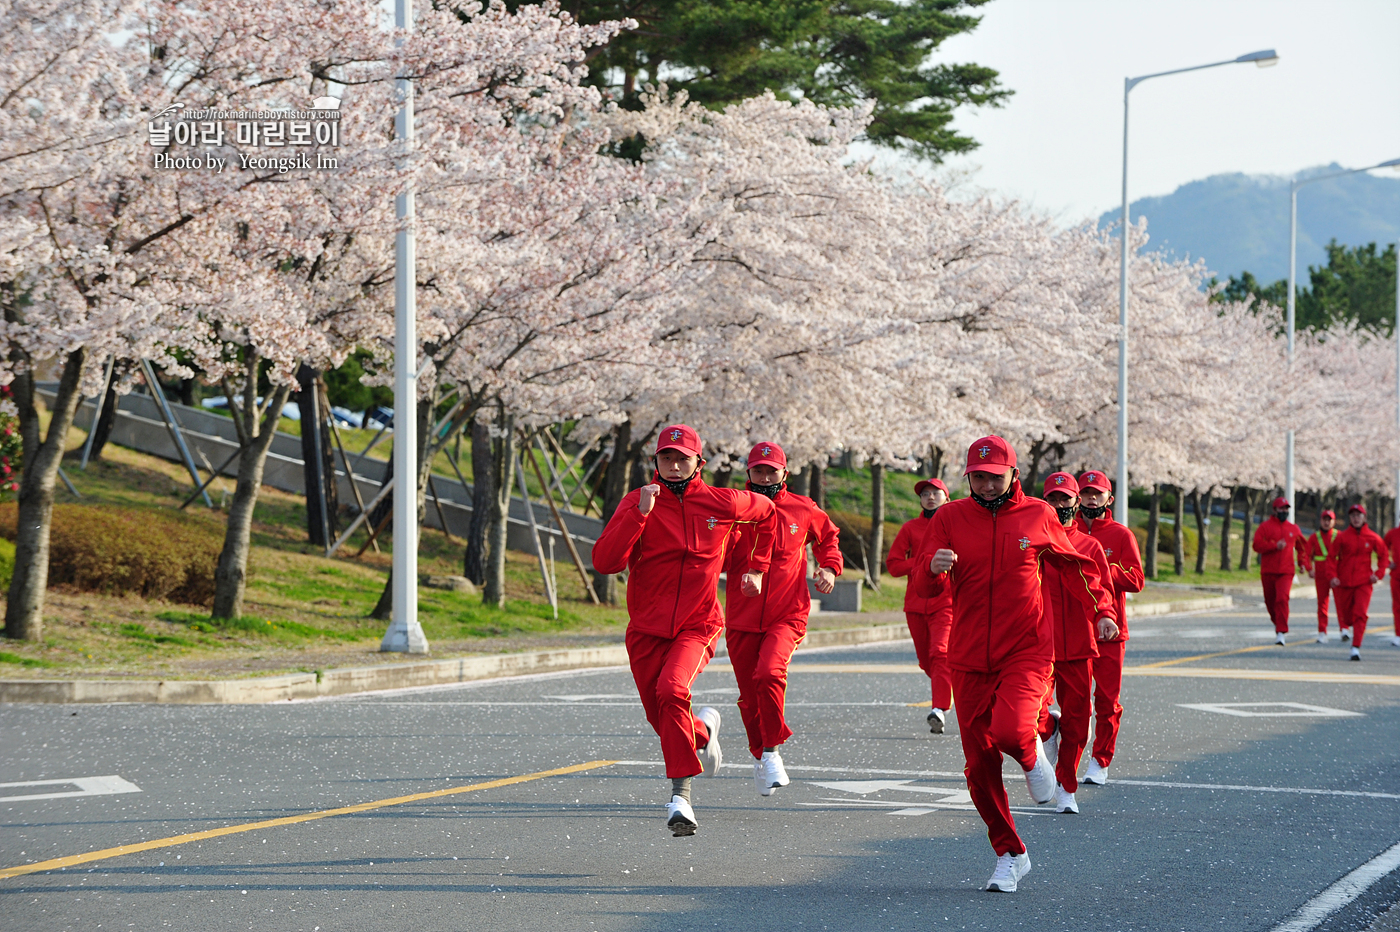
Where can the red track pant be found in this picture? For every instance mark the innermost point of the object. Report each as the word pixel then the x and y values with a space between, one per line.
pixel 930 632
pixel 1277 587
pixel 1352 603
pixel 1070 683
pixel 760 661
pixel 663 669
pixel 1107 668
pixel 997 714
pixel 1324 592
pixel 1395 602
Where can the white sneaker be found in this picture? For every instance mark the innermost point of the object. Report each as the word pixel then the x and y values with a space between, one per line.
pixel 1052 743
pixel 680 818
pixel 1356 653
pixel 1395 640
pixel 1010 869
pixel 1346 634
pixel 1040 779
pixel 936 720
pixel 1279 640
pixel 710 755
pixel 1065 802
pixel 1322 638
pixel 769 774
pixel 1095 774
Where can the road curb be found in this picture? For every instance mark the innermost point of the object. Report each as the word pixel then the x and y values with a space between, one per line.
pixel 381 677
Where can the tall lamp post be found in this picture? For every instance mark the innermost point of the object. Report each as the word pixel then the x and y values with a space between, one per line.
pixel 405 633
pixel 1263 59
pixel 1293 297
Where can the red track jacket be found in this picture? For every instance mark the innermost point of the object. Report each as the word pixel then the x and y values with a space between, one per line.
pixel 1354 549
pixel 1322 553
pixel 1120 548
pixel 1392 545
pixel 998 616
pixel 918 597
pixel 676 552
pixel 1075 628
pixel 785 596
pixel 1271 559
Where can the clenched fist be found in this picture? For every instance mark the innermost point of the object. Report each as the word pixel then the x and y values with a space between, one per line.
pixel 1108 629
pixel 751 584
pixel 942 562
pixel 824 580
pixel 647 501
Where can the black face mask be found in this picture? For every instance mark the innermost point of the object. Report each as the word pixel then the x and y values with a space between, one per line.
pixel 769 490
pixel 997 502
pixel 1093 513
pixel 928 512
pixel 1281 515
pixel 677 486
pixel 1066 514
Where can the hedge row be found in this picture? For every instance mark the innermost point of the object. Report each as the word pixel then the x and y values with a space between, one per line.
pixel 145 553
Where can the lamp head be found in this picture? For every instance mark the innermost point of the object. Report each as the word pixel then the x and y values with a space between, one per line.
pixel 1265 58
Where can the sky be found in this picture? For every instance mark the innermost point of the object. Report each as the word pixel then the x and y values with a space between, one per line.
pixel 1057 145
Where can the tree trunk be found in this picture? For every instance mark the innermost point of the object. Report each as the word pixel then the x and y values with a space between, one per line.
pixel 255 439
pixel 935 458
pixel 24 612
pixel 1154 522
pixel 502 474
pixel 384 608
pixel 108 418
pixel 624 471
pixel 1028 480
pixel 723 477
pixel 1225 528
pixel 1201 504
pixel 474 563
pixel 816 487
pixel 1252 499
pixel 1179 533
pixel 317 457
pixel 876 554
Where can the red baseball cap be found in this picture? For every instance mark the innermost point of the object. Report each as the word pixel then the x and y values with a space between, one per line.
pixel 1093 479
pixel 929 484
pixel 679 437
pixel 990 454
pixel 1357 507
pixel 767 454
pixel 1328 513
pixel 1280 502
pixel 1060 482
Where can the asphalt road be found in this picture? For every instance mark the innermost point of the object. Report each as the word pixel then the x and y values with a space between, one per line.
pixel 1217 815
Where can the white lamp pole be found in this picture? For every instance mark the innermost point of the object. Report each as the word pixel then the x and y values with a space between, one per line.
pixel 1263 59
pixel 405 633
pixel 1288 444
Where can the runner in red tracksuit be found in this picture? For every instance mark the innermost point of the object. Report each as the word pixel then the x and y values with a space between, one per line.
pixel 1392 545
pixel 1321 564
pixel 1355 574
pixel 990 548
pixel 1077 633
pixel 762 631
pixel 930 617
pixel 671 535
pixel 1281 549
pixel 1125 566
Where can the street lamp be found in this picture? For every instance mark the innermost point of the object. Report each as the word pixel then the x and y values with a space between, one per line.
pixel 1292 298
pixel 405 633
pixel 1264 59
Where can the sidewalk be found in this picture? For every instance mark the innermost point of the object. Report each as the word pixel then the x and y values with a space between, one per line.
pixel 829 629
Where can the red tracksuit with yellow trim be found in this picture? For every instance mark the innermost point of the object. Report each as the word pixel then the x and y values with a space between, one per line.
pixel 674 555
pixel 1001 650
pixel 1319 552
pixel 1276 567
pixel 1392 546
pixel 1120 548
pixel 930 617
pixel 763 631
pixel 1355 549
pixel 1076 646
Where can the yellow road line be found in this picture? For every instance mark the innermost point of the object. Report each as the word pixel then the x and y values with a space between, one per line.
pixel 105 853
pixel 1286 676
pixel 835 668
pixel 1223 653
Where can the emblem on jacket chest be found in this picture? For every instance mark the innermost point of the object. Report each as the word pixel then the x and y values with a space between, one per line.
pixel 711 522
pixel 1024 542
pixel 1108 551
pixel 792 529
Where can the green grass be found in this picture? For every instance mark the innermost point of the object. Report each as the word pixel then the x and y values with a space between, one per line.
pixel 6 657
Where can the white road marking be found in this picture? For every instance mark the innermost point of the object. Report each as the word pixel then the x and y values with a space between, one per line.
pixel 1304 791
pixel 1317 909
pixel 585 697
pixel 1269 709
pixel 86 786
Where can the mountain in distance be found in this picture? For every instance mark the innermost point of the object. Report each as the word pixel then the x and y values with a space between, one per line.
pixel 1239 222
